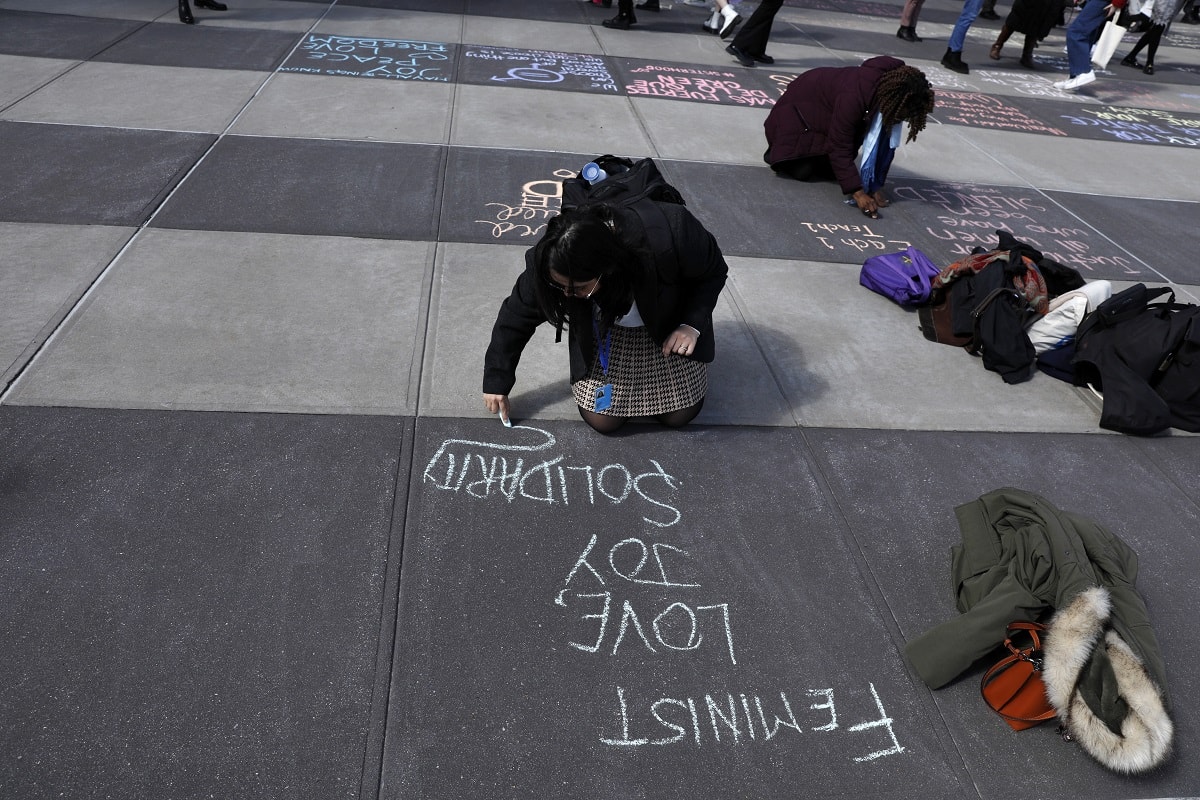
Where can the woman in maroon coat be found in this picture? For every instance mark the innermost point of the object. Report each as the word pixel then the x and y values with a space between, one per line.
pixel 816 129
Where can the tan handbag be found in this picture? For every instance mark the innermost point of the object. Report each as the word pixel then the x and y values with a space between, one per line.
pixel 1013 687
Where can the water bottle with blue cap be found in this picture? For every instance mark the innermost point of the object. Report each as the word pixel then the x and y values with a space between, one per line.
pixel 592 173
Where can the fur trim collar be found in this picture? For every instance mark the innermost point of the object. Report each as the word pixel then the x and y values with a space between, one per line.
pixel 1070 642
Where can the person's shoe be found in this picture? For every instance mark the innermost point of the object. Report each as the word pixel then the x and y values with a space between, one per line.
pixel 1027 62
pixel 988 15
pixel 621 22
pixel 732 20
pixel 742 57
pixel 1070 84
pixel 1192 17
pixel 1148 69
pixel 211 5
pixel 994 53
pixel 762 58
pixel 1130 61
pixel 953 62
pixel 906 34
pixel 649 5
pixel 185 13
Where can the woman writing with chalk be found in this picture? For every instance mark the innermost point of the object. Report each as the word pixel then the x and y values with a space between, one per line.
pixel 830 116
pixel 638 311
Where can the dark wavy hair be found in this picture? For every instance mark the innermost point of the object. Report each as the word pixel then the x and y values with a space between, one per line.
pixel 904 95
pixel 581 245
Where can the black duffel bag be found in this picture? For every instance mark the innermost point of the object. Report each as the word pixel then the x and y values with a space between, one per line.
pixel 1145 359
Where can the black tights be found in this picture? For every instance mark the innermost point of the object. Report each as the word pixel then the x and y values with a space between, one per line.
pixel 603 423
pixel 1149 40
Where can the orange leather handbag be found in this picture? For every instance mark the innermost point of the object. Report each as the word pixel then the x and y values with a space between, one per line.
pixel 1013 687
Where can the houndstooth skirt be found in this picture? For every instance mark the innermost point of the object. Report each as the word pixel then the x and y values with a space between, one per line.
pixel 645 382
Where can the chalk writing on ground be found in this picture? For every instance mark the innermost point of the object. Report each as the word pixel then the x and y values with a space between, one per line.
pixel 1141 125
pixel 970 216
pixel 358 57
pixel 986 111
pixel 625 597
pixel 525 217
pixel 684 83
pixel 860 237
pixel 515 67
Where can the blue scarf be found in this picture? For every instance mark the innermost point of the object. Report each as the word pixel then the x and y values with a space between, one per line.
pixel 876 155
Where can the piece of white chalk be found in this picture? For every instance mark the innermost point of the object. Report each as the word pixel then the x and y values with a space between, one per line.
pixel 507 422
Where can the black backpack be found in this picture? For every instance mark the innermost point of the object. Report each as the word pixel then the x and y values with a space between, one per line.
pixel 1145 358
pixel 634 185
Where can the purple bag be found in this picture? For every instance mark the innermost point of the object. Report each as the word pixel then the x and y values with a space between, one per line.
pixel 903 277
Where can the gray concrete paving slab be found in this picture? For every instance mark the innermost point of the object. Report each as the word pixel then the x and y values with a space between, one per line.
pixel 899 491
pixel 1068 164
pixel 170 44
pixel 137 96
pixel 186 612
pixel 718 133
pixel 563 37
pixel 827 360
pixel 311 187
pixel 208 321
pixel 345 19
pixel 141 10
pixel 269 15
pixel 42 35
pixel 23 75
pixel 47 268
pixel 484 116
pixel 90 175
pixel 536 601
pixel 345 108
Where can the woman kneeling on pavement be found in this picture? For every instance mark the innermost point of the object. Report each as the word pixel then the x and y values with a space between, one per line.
pixel 828 114
pixel 638 314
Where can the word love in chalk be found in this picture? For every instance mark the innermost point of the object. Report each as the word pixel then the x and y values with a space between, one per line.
pixel 741 719
pixel 678 626
pixel 490 470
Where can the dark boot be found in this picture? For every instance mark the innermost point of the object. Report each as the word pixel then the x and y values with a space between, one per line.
pixel 1005 32
pixel 953 62
pixel 1027 51
pixel 185 13
pixel 908 33
pixel 621 22
pixel 211 5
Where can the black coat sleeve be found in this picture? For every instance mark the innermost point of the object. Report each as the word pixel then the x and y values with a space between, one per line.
pixel 519 317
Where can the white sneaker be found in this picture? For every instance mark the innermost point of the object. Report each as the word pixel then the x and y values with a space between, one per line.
pixel 731 20
pixel 1074 83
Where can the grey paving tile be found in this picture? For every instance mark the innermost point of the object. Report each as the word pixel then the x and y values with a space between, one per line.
pixel 828 360
pixel 170 44
pixel 90 175
pixel 244 322
pixel 898 491
pixel 441 23
pixel 47 268
pixel 485 115
pixel 718 133
pixel 24 74
pixel 194 601
pixel 289 16
pixel 311 187
pixel 135 96
pixel 516 32
pixel 541 689
pixel 342 108
pixel 488 65
pixel 28 33
pixel 140 10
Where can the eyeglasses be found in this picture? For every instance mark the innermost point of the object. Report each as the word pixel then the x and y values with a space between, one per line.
pixel 573 290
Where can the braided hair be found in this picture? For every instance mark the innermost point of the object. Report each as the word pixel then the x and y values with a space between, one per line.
pixel 903 94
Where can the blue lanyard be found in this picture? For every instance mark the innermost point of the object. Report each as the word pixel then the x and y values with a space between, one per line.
pixel 602 347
